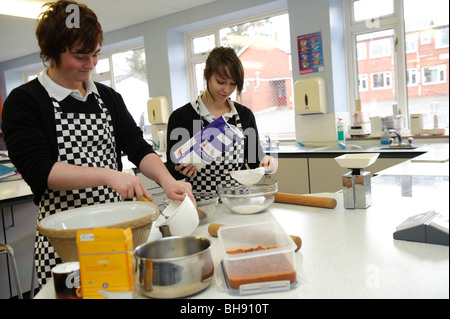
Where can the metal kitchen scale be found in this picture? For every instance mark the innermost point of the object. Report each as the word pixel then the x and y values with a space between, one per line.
pixel 356 184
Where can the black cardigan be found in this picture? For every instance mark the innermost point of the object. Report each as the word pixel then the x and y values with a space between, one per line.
pixel 185 116
pixel 30 131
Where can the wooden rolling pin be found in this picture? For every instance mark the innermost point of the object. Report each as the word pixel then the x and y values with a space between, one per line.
pixel 214 227
pixel 315 201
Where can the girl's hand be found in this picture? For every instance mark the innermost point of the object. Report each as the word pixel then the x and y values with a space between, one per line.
pixel 189 170
pixel 175 190
pixel 269 163
pixel 128 186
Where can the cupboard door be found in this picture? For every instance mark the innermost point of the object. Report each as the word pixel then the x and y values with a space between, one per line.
pixel 18 229
pixel 292 175
pixel 326 174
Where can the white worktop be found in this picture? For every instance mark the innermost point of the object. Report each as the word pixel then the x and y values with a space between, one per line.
pixel 435 162
pixel 14 189
pixel 349 253
pixel 352 253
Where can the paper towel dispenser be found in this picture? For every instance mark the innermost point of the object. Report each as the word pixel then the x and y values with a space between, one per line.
pixel 158 109
pixel 310 96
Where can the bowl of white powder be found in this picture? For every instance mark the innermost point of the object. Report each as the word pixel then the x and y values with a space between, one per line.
pixel 251 199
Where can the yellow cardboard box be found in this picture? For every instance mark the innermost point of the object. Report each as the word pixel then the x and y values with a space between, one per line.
pixel 106 263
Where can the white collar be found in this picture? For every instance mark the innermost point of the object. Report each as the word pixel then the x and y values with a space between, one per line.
pixel 60 93
pixel 207 115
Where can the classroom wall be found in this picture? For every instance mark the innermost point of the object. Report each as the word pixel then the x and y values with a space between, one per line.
pixel 165 51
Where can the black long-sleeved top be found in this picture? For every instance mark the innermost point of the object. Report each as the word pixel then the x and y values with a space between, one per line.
pixel 29 130
pixel 186 116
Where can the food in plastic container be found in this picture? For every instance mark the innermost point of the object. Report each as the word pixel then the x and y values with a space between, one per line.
pixel 257 253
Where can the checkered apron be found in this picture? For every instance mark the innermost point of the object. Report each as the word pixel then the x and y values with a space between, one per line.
pixel 217 172
pixel 84 139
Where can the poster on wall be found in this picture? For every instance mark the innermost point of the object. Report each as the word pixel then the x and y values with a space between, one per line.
pixel 310 55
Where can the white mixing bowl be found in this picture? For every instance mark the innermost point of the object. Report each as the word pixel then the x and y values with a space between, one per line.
pixel 180 217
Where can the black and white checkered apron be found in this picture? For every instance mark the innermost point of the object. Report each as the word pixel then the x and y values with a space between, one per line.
pixel 84 139
pixel 217 172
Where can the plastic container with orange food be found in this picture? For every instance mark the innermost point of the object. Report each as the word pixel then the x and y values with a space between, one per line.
pixel 257 258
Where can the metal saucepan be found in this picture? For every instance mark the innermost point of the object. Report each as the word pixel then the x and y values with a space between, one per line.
pixel 174 267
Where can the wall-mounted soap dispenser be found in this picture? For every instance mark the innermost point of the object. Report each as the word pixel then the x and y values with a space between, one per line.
pixel 158 116
pixel 310 96
pixel 158 109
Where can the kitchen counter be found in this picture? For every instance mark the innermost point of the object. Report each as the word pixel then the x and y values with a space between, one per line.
pixel 435 162
pixel 351 253
pixel 313 150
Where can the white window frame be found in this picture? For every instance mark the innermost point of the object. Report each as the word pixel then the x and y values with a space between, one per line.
pixel 98 77
pixel 412 40
pixel 374 46
pixel 386 84
pixel 363 78
pixel 105 76
pixel 409 76
pixel 192 58
pixel 439 68
pixel 353 29
pixel 361 51
pixel 425 37
pixel 438 39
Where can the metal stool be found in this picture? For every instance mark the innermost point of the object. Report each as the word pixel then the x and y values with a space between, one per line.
pixel 6 249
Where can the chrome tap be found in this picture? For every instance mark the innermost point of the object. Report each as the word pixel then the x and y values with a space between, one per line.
pixel 399 137
pixel 268 144
pixel 269 141
pixel 400 141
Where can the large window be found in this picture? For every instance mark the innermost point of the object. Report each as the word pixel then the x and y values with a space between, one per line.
pixel 125 71
pixel 263 45
pixel 401 48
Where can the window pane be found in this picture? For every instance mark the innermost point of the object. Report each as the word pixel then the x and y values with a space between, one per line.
pixel 264 48
pixel 441 38
pixel 130 76
pixel 102 66
pixel 199 80
pixel 378 68
pixel 428 65
pixel 204 44
pixel 368 9
pixel 105 82
pixel 31 77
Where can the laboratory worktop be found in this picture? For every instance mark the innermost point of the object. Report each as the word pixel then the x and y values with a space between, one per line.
pixel 14 190
pixel 350 253
pixel 292 149
pixel 345 253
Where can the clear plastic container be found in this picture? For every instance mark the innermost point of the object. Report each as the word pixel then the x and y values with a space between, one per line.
pixel 257 253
